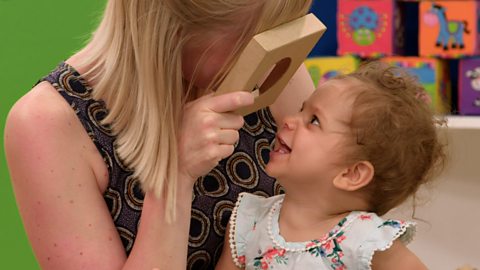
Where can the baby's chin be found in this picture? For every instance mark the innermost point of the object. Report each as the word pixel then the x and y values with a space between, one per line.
pixel 271 170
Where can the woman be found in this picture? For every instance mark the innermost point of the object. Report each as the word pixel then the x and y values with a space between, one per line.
pixel 106 179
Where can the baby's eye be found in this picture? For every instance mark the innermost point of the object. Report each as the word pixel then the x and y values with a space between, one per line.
pixel 315 121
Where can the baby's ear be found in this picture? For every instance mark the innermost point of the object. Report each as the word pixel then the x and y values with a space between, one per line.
pixel 354 177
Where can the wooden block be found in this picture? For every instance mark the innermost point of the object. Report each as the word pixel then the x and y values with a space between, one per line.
pixel 469 86
pixel 449 29
pixel 323 68
pixel 432 74
pixel 369 28
pixel 278 52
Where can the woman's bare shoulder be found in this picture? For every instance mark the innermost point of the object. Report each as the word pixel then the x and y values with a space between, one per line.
pixel 40 110
pixel 42 123
pixel 43 130
pixel 53 168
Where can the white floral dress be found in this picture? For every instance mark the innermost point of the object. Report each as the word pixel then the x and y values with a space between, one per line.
pixel 257 244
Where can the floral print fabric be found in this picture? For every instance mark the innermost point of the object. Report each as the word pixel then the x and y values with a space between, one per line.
pixel 257 242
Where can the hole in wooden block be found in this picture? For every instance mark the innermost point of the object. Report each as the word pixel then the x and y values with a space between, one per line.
pixel 276 73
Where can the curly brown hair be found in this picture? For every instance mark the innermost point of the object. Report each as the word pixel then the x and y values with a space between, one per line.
pixel 396 131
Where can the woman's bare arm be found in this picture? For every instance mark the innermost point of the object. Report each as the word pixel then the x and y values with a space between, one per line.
pixel 59 187
pixel 51 163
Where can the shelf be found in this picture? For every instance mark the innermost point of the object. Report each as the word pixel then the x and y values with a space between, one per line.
pixel 463 122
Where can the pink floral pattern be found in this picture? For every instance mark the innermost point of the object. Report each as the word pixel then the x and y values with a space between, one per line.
pixel 271 256
pixel 365 217
pixel 342 248
pixel 330 249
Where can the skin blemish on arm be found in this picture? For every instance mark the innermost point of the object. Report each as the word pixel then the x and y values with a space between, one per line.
pixel 71 201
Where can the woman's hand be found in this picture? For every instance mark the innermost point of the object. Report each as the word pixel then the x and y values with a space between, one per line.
pixel 209 131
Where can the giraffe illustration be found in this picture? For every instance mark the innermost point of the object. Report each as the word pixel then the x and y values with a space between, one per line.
pixel 450 30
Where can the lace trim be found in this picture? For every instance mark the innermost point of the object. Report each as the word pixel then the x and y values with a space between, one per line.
pixel 231 236
pixel 403 229
pixel 331 235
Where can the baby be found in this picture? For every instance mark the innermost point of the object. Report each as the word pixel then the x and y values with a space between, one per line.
pixel 361 145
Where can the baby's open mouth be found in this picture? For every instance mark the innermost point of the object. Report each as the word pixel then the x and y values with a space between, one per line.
pixel 281 146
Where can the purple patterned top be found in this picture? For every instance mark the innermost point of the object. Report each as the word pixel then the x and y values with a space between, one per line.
pixel 214 194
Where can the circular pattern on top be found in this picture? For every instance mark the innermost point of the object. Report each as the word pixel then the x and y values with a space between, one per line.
pixel 242 170
pixel 221 215
pixel 133 193
pixel 199 228
pixel 198 260
pixel 213 184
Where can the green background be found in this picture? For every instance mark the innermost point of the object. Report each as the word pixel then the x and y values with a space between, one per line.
pixel 35 35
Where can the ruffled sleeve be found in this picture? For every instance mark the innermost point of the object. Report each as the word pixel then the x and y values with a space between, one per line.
pixel 381 238
pixel 248 211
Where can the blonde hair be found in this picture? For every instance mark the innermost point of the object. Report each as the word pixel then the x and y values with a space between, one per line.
pixel 395 130
pixel 136 64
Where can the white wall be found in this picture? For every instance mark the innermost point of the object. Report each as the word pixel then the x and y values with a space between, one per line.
pixel 451 238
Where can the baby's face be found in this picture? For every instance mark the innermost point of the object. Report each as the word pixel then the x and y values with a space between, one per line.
pixel 312 143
